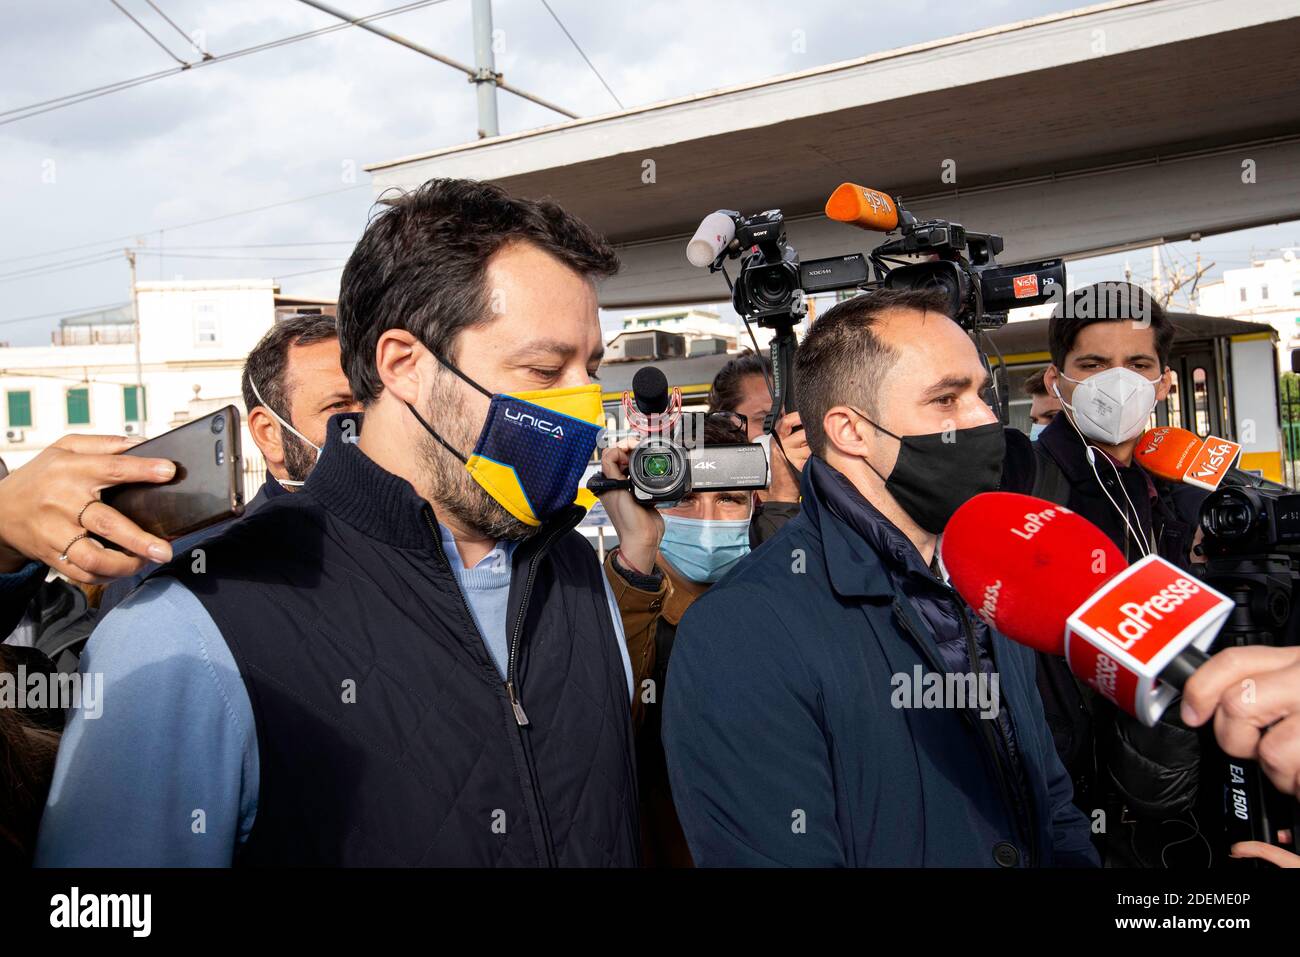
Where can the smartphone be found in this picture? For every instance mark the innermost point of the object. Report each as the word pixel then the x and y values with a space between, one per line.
pixel 207 488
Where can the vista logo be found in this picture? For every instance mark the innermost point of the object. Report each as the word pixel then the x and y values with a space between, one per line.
pixel 553 429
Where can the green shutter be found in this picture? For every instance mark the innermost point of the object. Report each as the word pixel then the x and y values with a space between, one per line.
pixel 131 407
pixel 78 407
pixel 20 410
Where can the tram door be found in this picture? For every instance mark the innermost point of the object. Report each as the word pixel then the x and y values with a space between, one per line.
pixel 1196 402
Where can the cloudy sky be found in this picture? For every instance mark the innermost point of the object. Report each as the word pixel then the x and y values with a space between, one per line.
pixel 206 172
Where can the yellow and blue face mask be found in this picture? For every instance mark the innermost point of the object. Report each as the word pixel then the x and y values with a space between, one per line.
pixel 533 449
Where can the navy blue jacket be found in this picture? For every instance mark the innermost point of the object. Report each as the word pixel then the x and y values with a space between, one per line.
pixel 784 745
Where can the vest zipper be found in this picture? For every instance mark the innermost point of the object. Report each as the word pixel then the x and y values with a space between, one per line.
pixel 511 687
pixel 520 718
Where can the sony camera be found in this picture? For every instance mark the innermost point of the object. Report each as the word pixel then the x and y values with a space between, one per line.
pixel 673 458
pixel 772 281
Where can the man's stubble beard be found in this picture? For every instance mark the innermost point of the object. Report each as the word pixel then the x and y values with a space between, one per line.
pixel 446 477
pixel 299 457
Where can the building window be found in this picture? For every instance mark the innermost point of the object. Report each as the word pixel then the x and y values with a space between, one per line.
pixel 133 410
pixel 20 410
pixel 1243 293
pixel 205 324
pixel 1263 292
pixel 79 406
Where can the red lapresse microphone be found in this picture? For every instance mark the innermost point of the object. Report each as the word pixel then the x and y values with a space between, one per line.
pixel 1177 455
pixel 1050 579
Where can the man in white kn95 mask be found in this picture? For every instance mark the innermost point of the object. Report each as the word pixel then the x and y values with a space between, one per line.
pixel 1110 345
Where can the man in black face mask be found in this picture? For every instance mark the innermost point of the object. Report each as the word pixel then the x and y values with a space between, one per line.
pixel 831 701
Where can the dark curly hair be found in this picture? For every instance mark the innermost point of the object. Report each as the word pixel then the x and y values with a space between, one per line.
pixel 420 266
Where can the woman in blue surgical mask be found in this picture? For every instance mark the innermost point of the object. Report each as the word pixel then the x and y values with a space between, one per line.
pixel 704 537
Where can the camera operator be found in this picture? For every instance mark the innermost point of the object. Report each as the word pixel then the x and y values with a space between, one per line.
pixel 786 742
pixel 664 561
pixel 1110 347
pixel 416 660
pixel 741 386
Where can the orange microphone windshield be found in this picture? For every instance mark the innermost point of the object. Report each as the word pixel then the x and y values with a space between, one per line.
pixel 862 207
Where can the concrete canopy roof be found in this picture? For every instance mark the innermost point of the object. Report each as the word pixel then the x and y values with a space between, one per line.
pixel 1111 117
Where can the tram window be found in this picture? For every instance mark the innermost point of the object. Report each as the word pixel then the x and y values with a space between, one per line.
pixel 1173 402
pixel 1201 401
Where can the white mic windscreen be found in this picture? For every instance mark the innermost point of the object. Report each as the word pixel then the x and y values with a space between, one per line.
pixel 716 231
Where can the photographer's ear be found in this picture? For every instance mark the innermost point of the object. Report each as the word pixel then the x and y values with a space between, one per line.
pixel 403 364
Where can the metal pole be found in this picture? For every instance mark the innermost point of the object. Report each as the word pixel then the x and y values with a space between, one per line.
pixel 139 369
pixel 425 51
pixel 485 78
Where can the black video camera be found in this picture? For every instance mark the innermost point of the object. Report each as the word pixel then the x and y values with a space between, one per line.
pixel 773 282
pixel 673 460
pixel 965 269
pixel 1241 520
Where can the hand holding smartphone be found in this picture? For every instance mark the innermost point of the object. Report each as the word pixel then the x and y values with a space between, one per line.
pixel 208 485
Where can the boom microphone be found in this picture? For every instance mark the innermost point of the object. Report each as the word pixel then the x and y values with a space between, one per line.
pixel 862 207
pixel 1050 579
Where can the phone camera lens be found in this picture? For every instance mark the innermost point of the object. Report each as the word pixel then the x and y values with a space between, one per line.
pixel 218 425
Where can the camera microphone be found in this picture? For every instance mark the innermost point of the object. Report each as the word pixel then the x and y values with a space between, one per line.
pixel 862 207
pixel 715 234
pixel 650 390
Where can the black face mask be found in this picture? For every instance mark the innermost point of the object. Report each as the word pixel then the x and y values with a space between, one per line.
pixel 938 473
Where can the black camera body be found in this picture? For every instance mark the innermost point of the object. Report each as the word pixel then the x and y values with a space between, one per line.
pixel 1239 520
pixel 773 282
pixel 965 269
pixel 663 471
pixel 673 459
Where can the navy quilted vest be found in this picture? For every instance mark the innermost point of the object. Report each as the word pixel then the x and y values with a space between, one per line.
pixel 386 735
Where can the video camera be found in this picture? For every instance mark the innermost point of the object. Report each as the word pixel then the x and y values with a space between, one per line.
pixel 1252 547
pixel 772 285
pixel 673 460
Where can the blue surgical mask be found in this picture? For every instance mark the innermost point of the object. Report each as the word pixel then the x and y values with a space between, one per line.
pixel 1036 430
pixel 704 550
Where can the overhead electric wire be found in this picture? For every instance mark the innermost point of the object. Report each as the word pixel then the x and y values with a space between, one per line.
pixel 64 313
pixel 45 106
pixel 584 56
pixel 188 39
pixel 447 61
pixel 146 251
pixel 197 222
pixel 310 272
pixel 58 267
pixel 147 32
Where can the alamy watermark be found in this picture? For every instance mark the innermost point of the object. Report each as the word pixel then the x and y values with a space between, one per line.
pixel 39 689
pixel 933 689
